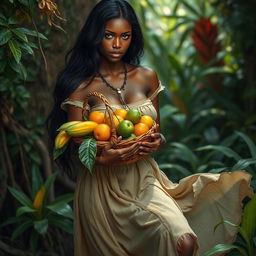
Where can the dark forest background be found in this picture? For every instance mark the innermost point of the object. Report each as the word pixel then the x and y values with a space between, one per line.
pixel 204 53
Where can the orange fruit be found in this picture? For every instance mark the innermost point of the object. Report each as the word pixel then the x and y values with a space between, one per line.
pixel 121 112
pixel 97 116
pixel 140 128
pixel 102 132
pixel 117 120
pixel 148 120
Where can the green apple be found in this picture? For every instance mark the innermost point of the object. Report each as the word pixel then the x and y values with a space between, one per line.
pixel 133 115
pixel 132 136
pixel 125 128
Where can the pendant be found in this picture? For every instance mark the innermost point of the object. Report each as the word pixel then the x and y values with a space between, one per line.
pixel 118 90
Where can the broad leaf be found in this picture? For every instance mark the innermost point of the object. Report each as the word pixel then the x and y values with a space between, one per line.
pixel 24 209
pixel 87 152
pixel 248 223
pixel 20 196
pixel 20 35
pixel 15 49
pixel 64 198
pixel 64 224
pixel 249 142
pixel 225 150
pixel 61 208
pixel 41 226
pixel 243 163
pixel 5 36
pixel 220 248
pixel 32 33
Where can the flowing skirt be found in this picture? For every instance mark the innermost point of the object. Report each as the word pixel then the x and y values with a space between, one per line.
pixel 136 210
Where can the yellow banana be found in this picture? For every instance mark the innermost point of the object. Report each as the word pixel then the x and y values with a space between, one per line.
pixel 81 129
pixel 67 124
pixel 61 139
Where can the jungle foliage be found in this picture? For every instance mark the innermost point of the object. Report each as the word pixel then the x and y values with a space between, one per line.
pixel 204 53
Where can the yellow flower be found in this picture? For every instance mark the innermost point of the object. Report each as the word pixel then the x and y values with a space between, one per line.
pixel 50 9
pixel 38 201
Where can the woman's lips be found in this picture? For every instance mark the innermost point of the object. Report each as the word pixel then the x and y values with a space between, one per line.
pixel 116 55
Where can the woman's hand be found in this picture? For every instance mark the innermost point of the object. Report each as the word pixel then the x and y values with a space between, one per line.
pixel 110 154
pixel 157 141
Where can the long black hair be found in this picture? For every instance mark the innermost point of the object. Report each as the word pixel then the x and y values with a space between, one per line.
pixel 83 60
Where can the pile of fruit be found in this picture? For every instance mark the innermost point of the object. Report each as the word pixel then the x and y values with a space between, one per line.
pixel 129 124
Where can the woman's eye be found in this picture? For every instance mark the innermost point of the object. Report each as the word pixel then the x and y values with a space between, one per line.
pixel 108 36
pixel 125 37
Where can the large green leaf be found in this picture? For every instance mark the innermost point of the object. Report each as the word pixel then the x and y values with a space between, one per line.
pixel 61 208
pixel 186 153
pixel 5 36
pixel 41 226
pixel 24 209
pixel 225 150
pixel 64 224
pixel 20 35
pixel 64 198
pixel 243 163
pixel 21 228
pixel 32 33
pixel 15 49
pixel 21 197
pixel 249 142
pixel 87 152
pixel 220 248
pixel 248 223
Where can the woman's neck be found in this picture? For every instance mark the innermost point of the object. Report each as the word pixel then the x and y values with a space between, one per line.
pixel 111 68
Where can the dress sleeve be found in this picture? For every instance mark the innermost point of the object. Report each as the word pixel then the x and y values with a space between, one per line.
pixel 76 103
pixel 159 89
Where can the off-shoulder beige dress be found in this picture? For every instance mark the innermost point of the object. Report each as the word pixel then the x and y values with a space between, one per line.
pixel 136 210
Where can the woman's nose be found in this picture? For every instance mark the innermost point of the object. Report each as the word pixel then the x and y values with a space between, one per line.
pixel 116 43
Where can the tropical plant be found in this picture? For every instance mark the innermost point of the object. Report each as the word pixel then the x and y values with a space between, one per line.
pixel 245 244
pixel 38 215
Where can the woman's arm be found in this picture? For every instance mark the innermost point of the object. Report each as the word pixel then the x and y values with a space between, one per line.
pixel 158 139
pixel 109 154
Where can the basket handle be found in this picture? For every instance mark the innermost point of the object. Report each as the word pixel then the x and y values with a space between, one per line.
pixel 108 108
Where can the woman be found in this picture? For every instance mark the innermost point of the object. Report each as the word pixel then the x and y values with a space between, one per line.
pixel 134 209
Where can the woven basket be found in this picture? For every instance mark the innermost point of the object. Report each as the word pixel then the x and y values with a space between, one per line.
pixel 117 144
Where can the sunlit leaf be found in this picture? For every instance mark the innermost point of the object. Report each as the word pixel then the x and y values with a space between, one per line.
pixel 220 248
pixel 87 152
pixel 15 49
pixel 61 208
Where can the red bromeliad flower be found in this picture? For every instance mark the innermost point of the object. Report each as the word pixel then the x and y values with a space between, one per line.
pixel 204 39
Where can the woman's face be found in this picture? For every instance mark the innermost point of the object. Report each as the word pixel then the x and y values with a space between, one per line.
pixel 116 40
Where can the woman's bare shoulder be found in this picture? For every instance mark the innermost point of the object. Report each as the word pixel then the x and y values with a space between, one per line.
pixel 82 90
